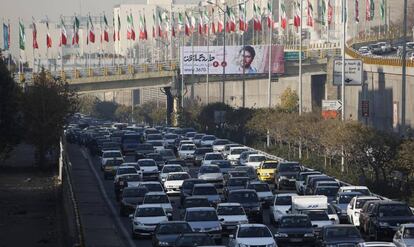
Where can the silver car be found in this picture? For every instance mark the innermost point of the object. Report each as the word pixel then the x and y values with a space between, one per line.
pixel 404 236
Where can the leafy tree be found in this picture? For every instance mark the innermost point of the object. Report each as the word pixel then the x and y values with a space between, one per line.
pixel 405 158
pixel 87 104
pixel 123 113
pixel 158 116
pixel 150 113
pixel 105 110
pixel 289 101
pixel 46 105
pixel 206 118
pixel 10 117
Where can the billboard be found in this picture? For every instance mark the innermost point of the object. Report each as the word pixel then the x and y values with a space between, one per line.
pixel 200 60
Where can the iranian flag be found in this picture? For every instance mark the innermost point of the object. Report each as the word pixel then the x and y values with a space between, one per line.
pixel 48 37
pixel 141 28
pixel 145 29
pixel 180 25
pixel 166 21
pixel 330 12
pixel 22 36
pixel 206 21
pixel 283 18
pixel 369 10
pixel 220 25
pixel 269 15
pixel 91 31
pixel 200 23
pixel 63 35
pixel 119 28
pixel 35 44
pixel 75 38
pixel 309 21
pixel 357 11
pixel 296 19
pixel 231 22
pixel 173 23
pixel 159 24
pixel 242 18
pixel 213 24
pixel 382 10
pixel 154 34
pixel 187 24
pixel 131 31
pixel 106 33
pixel 257 22
pixel 323 13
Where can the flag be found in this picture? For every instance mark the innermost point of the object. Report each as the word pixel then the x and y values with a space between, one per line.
pixel 106 33
pixel 242 18
pixel 269 15
pixel 220 25
pixel 6 36
pixel 283 18
pixel 309 21
pixel 372 7
pixel 187 24
pixel 357 11
pixel 180 23
pixel 75 38
pixel 297 17
pixel 153 27
pixel 206 21
pixel 130 31
pixel 119 28
pixel 330 12
pixel 145 29
pixel 369 10
pixel 159 24
pixel 91 31
pixel 231 23
pixel 213 24
pixel 48 37
pixel 63 34
pixel 34 30
pixel 113 24
pixel 382 10
pixel 22 36
pixel 173 26
pixel 166 21
pixel 323 13
pixel 141 28
pixel 200 23
pixel 257 22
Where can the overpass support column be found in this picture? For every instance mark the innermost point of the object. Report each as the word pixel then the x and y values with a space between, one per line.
pixel 170 105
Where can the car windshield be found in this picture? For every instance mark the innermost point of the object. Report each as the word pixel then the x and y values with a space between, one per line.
pixel 238 174
pixel 230 210
pixel 238 150
pixel 408 232
pixel 199 202
pixel 209 169
pixel 317 215
pixel 283 200
pixel 221 142
pixel 223 164
pixel 126 171
pixel 156 199
pixel 394 210
pixel 192 241
pixel 168 169
pixel 213 157
pixel 176 228
pixel 202 150
pixel 190 184
pixel 254 232
pixel 268 165
pixel 208 138
pixel 188 147
pixel 169 137
pixel 327 191
pixel 360 202
pixel 259 187
pixel 150 212
pixel 257 158
pixel 146 163
pixel 167 152
pixel 364 192
pixel 295 222
pixel 154 137
pixel 200 215
pixel 145 147
pixel 154 187
pixel 205 190
pixel 112 155
pixel 131 178
pixel 345 199
pixel 198 136
pixel 158 144
pixel 155 157
pixel 114 162
pixel 182 176
pixel 237 182
pixel 342 232
pixel 243 197
pixel 289 168
pixel 138 192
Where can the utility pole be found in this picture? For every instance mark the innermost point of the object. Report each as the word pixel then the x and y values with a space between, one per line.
pixel 404 71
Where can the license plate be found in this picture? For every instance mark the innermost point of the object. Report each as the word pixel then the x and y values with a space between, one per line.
pixel 295 240
pixel 231 227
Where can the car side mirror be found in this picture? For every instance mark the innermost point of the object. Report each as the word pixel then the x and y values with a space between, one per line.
pixel 221 219
pixel 332 219
pixel 315 226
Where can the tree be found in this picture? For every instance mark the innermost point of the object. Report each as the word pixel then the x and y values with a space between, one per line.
pixel 150 113
pixel 105 110
pixel 289 101
pixel 206 118
pixel 10 117
pixel 87 104
pixel 123 113
pixel 46 105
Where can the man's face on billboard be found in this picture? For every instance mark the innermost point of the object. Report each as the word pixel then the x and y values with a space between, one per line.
pixel 247 58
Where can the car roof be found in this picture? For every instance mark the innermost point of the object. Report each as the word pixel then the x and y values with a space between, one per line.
pixel 195 197
pixel 354 187
pixel 149 206
pixel 175 173
pixel 252 225
pixel 367 197
pixel 197 209
pixel 146 160
pixel 228 204
pixel 377 243
pixel 111 151
pixel 125 167
pixel 286 194
pixel 172 165
pixel 156 193
pixel 348 193
pixel 204 185
pixel 408 225
pixel 256 182
pixel 339 226
pixel 242 190
pixel 150 182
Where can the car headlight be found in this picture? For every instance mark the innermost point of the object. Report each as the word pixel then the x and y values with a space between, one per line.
pixel 137 223
pixel 163 243
pixel 281 235
pixel 217 228
pixel 243 222
pixel 331 245
pixel 309 235
pixel 271 245
pixel 242 245
pixel 383 224
pixel 282 177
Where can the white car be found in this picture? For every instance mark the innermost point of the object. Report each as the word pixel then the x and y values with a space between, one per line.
pixel 146 218
pixel 186 151
pixel 169 139
pixel 110 155
pixel 281 205
pixel 355 206
pixel 207 140
pixel 248 235
pixel 254 160
pixel 147 165
pixel 123 170
pixel 160 199
pixel 361 189
pixel 320 218
pixel 234 154
pixel 167 169
pixel 227 147
pixel 231 215
pixel 300 180
pixel 208 157
pixel 182 142
pixel 404 237
pixel 218 144
pixel 174 182
pixel 211 174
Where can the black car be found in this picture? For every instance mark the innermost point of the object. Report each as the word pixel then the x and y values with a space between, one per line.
pixel 199 154
pixel 337 235
pixel 295 229
pixel 250 203
pixel 285 178
pixel 236 183
pixel 158 159
pixel 131 197
pixel 122 181
pixel 166 233
pixel 386 217
pixel 194 202
pixel 187 187
pixel 143 149
pixel 194 239
pixel 251 172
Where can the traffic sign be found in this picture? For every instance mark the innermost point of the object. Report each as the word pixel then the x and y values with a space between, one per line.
pixel 331 105
pixel 353 72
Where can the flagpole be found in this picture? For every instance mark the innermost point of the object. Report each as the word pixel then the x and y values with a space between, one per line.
pixel 300 57
pixel 244 53
pixel 344 19
pixel 208 61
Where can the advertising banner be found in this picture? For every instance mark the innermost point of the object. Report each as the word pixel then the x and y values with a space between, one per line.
pixel 200 60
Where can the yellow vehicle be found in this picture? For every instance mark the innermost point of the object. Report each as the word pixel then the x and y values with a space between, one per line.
pixel 267 170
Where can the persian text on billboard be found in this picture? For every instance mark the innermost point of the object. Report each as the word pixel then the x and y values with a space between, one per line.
pixel 200 60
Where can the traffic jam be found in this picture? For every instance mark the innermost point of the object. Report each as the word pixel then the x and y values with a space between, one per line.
pixel 179 187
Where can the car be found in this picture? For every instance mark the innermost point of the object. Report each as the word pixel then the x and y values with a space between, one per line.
pixel 300 180
pixel 313 182
pixel 194 239
pixel 266 170
pixel 385 47
pixel 339 235
pixel 167 154
pixel 204 219
pixel 333 213
pixel 295 229
pixel 231 215
pixel 131 198
pixel 152 186
pixel 244 155
pixel 190 135
pixel 386 217
pixel 183 142
pixel 354 208
pixel 167 169
pixel 150 138
pixel 211 174
pixel 110 167
pixel 199 154
pixel 143 149
pixel 328 191
pixel 110 155
pixel 125 180
pixel 209 157
pixel 207 190
pixel 235 183
pixel 404 237
pixel 130 141
pixel 161 199
pixel 197 139
pixel 195 202
pixel 287 172
pixel 174 182
pixel 249 235
pixel 376 244
pixel 250 203
pixel 263 191
pixel 251 172
pixel 218 144
pixel 363 190
pixel 167 233
pixel 157 158
pixel 364 50
pixel 233 154
pixel 236 174
pixel 149 169
pixel 281 206
pixel 146 218
pixel 254 160
pixel 169 140
pixel 123 170
pixel 375 49
pixel 227 147
pixel 158 146
pixel 224 165
pixel 207 140
pixel 186 151
pixel 187 187
pixel 341 203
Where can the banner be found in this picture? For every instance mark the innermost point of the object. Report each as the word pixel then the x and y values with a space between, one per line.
pixel 196 60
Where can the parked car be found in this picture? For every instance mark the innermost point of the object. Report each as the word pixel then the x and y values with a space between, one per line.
pixel 167 233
